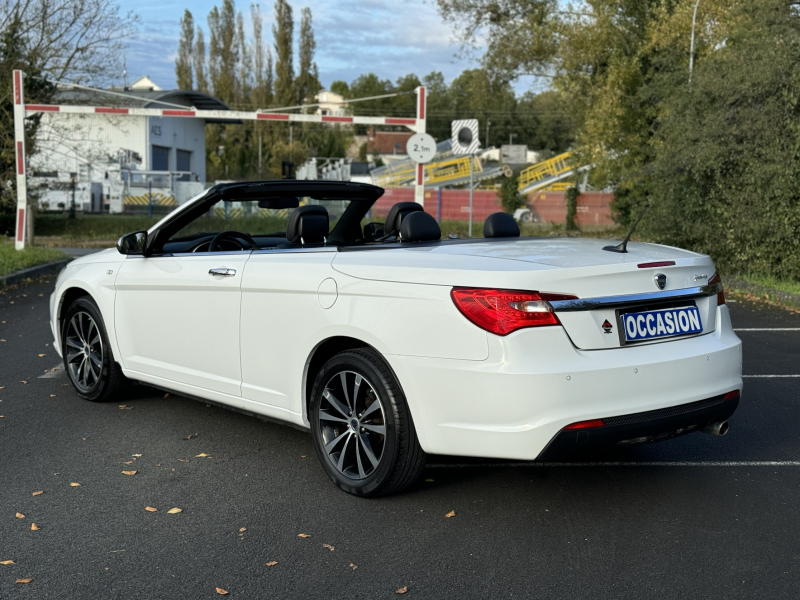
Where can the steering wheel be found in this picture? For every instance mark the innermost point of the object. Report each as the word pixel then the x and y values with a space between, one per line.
pixel 232 236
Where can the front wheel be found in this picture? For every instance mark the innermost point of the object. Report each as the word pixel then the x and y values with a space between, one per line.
pixel 363 433
pixel 87 354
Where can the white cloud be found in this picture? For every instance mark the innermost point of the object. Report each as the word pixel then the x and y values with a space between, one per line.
pixel 388 38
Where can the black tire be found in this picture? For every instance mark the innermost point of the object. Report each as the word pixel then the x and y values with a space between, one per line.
pixel 401 459
pixel 102 381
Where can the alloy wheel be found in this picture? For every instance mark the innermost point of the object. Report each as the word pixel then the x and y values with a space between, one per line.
pixel 353 424
pixel 84 348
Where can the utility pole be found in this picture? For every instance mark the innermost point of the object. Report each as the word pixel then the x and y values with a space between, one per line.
pixel 488 122
pixel 471 177
pixel 511 137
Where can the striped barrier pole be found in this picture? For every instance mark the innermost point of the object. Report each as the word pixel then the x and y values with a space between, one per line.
pixel 19 147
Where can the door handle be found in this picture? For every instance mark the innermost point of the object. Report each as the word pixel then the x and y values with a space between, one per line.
pixel 222 271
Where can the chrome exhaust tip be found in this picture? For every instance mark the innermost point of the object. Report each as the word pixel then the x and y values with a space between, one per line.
pixel 718 428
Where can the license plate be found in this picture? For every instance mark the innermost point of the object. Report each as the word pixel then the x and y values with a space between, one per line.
pixel 654 324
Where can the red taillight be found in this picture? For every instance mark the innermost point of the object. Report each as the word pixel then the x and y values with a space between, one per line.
pixel 663 263
pixel 731 395
pixel 715 278
pixel 586 424
pixel 504 311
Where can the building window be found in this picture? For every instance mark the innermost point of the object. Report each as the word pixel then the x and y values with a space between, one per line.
pixel 160 158
pixel 184 160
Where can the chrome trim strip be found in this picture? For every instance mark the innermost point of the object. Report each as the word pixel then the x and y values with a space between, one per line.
pixel 582 304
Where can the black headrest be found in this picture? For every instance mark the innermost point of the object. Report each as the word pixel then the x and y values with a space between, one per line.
pixel 500 225
pixel 419 227
pixel 397 214
pixel 309 222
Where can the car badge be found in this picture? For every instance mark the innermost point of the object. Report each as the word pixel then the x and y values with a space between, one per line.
pixel 607 326
pixel 661 280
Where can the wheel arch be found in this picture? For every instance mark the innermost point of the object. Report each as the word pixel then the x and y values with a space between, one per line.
pixel 324 351
pixel 68 296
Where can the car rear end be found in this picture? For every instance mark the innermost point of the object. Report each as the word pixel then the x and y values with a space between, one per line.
pixel 583 353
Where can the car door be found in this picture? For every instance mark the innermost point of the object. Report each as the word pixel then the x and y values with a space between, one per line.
pixel 177 318
pixel 286 295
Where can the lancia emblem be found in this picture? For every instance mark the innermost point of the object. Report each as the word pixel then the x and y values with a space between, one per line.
pixel 661 280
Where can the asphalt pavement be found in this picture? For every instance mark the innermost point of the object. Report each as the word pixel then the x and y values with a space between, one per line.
pixel 694 517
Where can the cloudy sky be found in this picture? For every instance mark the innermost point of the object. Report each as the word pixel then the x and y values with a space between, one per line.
pixel 389 38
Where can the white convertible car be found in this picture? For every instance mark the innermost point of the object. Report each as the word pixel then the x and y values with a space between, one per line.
pixel 387 342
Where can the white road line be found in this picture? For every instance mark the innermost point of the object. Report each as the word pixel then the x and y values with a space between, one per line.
pixel 767 329
pixel 710 463
pixel 767 376
pixel 53 373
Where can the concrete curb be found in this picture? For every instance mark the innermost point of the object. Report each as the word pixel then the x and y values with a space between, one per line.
pixel 760 291
pixel 35 271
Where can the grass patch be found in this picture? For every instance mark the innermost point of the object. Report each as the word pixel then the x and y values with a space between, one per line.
pixel 91 227
pixel 13 260
pixel 784 285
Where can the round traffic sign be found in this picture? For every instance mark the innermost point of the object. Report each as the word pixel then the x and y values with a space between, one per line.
pixel 421 148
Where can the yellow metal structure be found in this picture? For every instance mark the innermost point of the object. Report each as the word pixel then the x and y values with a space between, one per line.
pixel 453 168
pixel 553 167
pixel 144 200
pixel 438 173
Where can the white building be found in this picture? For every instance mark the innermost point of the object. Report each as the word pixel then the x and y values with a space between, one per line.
pixel 331 104
pixel 117 153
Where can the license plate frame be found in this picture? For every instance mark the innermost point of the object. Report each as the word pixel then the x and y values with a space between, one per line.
pixel 653 308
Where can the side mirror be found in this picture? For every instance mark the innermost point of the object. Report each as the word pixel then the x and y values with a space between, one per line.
pixel 132 243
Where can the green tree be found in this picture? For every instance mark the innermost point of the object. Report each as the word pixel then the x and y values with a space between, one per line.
pixel 340 87
pixel 183 63
pixel 224 49
pixel 199 60
pixel 283 32
pixel 307 84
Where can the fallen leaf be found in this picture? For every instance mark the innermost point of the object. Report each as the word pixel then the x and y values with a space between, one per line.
pixel 174 511
pixel 75 484
pixel 11 562
pixel 243 529
pixel 402 590
pixel 127 462
pixel 20 516
pixel 221 592
pixel 303 455
pixel 39 493
pixel 125 407
pixel 129 472
pixel 354 567
pixel 158 465
pixel 27 580
pixel 452 513
pixel 23 382
pixel 183 460
pixel 35 527
pixel 429 480
pixel 190 437
pixel 52 395
pixel 41 355
pixel 150 509
pixel 203 455
pixel 272 563
pixel 166 395
pixel 329 547
pixel 136 455
pixel 303 535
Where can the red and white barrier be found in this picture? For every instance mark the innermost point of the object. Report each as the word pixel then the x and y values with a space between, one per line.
pixel 22 110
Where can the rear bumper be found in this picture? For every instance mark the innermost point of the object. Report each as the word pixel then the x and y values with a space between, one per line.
pixel 640 428
pixel 535 382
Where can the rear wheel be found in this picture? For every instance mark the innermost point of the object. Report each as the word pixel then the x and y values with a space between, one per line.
pixel 88 360
pixel 363 433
